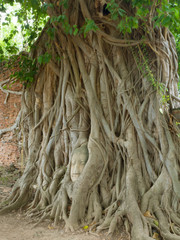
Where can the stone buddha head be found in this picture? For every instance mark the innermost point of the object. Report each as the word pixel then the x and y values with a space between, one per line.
pixel 79 158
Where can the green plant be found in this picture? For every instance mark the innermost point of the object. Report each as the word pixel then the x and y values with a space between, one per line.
pixel 88 26
pixel 26 69
pixel 142 60
pixel 43 59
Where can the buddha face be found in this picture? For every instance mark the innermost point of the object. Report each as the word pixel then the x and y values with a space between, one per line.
pixel 78 161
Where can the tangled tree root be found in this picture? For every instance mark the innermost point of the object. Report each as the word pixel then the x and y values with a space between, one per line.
pixel 99 97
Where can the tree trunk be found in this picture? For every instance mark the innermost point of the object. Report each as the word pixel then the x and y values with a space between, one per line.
pixel 105 103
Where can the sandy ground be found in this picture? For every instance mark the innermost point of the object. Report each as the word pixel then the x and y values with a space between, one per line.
pixel 15 226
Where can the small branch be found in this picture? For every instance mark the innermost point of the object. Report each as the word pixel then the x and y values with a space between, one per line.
pixel 14 126
pixel 84 9
pixel 176 98
pixel 120 42
pixel 54 68
pixel 6 99
pixel 8 91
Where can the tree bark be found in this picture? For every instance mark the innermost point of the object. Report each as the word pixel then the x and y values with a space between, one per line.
pixel 107 92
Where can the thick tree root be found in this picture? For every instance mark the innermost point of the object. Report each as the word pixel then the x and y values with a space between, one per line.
pixel 102 103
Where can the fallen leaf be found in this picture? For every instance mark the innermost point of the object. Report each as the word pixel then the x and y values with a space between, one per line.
pixel 50 227
pixel 148 214
pixel 156 236
pixel 85 227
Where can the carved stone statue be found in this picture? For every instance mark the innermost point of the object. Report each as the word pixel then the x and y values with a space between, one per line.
pixel 78 161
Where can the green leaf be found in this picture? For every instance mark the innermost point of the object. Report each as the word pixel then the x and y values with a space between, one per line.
pixel 176 13
pixel 121 12
pixel 75 32
pixel 35 4
pixel 166 21
pixel 115 10
pixel 2 8
pixel 61 18
pixel 51 32
pixel 89 26
pixel 70 31
pixel 43 59
pixel 156 223
pixel 64 3
pixel 5 24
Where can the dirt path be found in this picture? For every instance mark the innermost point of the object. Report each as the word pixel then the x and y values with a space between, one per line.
pixel 15 226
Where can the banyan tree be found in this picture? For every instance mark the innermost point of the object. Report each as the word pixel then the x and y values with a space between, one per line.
pixel 100 140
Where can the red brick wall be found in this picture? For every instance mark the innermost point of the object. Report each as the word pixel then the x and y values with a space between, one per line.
pixel 9 152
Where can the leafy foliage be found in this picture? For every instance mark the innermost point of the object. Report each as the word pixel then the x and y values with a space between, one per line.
pixel 165 13
pixel 26 69
pixel 29 17
pixel 161 13
pixel 32 16
pixel 43 59
pixel 88 26
pixel 177 39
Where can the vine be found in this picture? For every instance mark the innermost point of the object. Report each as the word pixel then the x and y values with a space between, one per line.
pixel 143 66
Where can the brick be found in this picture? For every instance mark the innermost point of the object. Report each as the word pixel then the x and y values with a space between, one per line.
pixel 9 150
